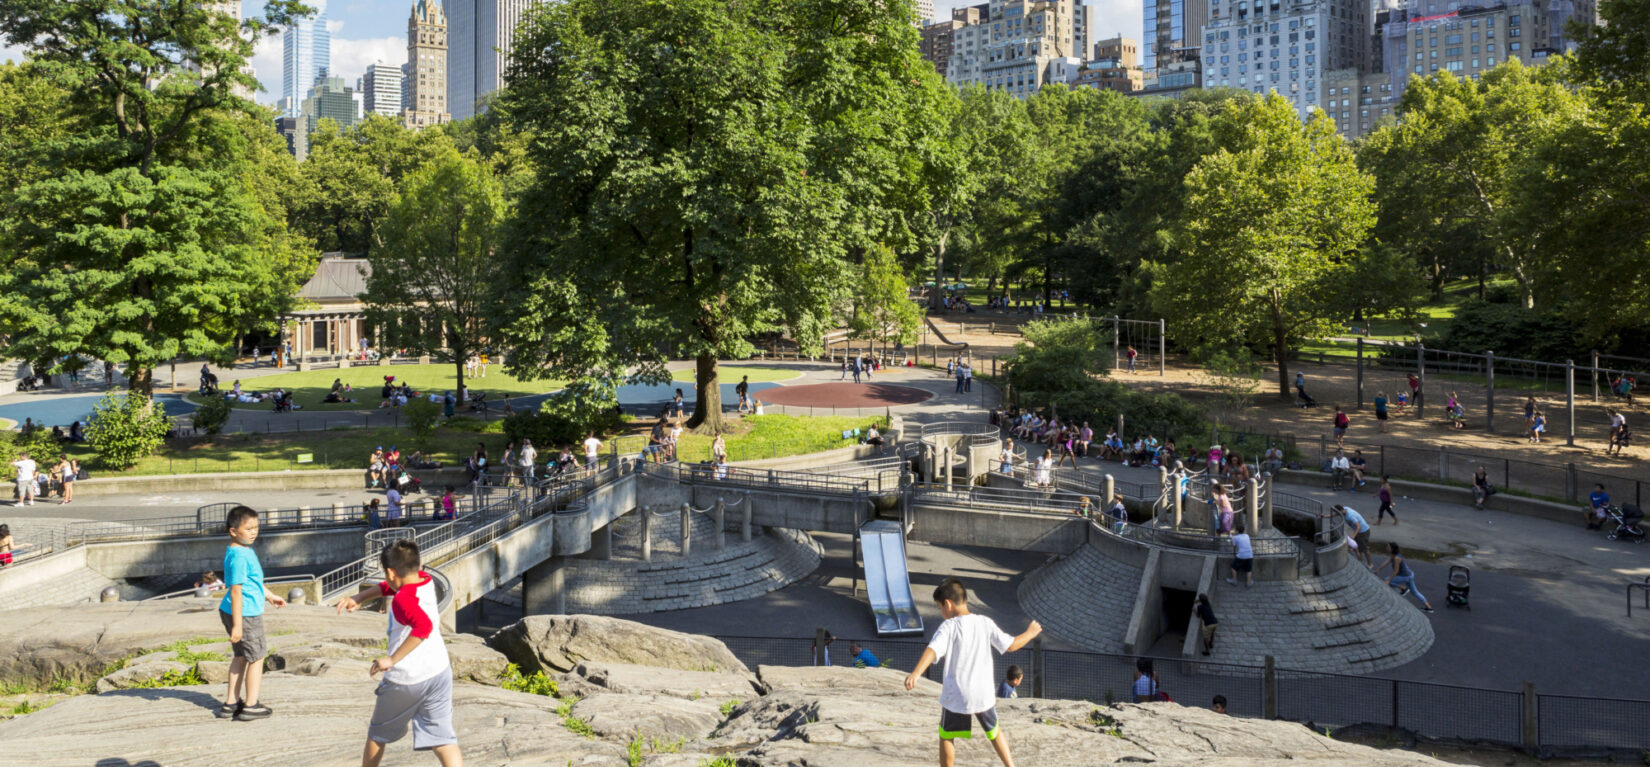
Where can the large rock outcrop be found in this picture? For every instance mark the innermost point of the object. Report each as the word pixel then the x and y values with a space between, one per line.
pixel 644 696
pixel 554 643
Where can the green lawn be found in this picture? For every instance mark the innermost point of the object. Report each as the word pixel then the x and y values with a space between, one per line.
pixel 766 436
pixel 309 388
pixel 732 373
pixel 334 449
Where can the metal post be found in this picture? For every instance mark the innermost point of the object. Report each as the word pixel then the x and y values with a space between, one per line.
pixel 1360 374
pixel 647 533
pixel 1531 729
pixel 1270 494
pixel 745 526
pixel 1111 492
pixel 1595 375
pixel 687 530
pixel 1116 336
pixel 1420 375
pixel 1162 350
pixel 1570 400
pixel 819 647
pixel 1489 385
pixel 1269 689
pixel 1179 502
pixel 721 523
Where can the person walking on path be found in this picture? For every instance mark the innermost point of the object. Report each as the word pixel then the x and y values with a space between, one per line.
pixel 1131 356
pixel 1244 560
pixel 1206 615
pixel 853 365
pixel 958 374
pixel 1380 412
pixel 1358 529
pixel 1402 577
pixel 965 641
pixel 968 377
pixel 743 389
pixel 592 449
pixel 1342 423
pixel 1384 494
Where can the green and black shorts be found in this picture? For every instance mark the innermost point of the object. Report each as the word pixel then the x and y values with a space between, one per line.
pixel 954 725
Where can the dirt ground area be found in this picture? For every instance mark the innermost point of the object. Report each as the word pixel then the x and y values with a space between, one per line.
pixel 1333 383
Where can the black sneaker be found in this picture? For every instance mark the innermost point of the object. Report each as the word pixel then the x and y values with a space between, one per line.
pixel 228 710
pixel 1404 592
pixel 1426 610
pixel 252 712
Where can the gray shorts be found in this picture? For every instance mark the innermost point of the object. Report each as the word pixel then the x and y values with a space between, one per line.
pixel 252 646
pixel 428 705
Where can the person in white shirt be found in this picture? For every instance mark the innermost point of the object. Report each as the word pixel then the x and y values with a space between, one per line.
pixel 528 457
pixel 27 487
pixel 418 674
pixel 1341 466
pixel 965 641
pixel 592 448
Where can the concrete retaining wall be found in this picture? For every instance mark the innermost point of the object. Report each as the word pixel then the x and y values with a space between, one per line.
pixel 1026 531
pixel 21 585
pixel 194 554
pixel 250 481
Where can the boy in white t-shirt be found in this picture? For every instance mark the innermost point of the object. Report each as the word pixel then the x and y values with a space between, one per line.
pixel 965 642
pixel 418 677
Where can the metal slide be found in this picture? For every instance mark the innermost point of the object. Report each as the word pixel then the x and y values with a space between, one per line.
pixel 887 584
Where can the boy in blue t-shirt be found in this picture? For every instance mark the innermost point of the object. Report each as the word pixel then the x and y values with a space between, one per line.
pixel 1599 501
pixel 242 612
pixel 863 657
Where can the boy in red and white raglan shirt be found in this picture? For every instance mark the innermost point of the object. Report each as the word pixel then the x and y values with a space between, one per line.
pixel 418 678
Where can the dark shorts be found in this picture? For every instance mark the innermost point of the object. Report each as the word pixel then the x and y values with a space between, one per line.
pixel 1363 540
pixel 1380 415
pixel 1340 431
pixel 251 647
pixel 954 725
pixel 1243 565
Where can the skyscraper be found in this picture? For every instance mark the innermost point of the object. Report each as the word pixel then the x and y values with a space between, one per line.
pixel 923 10
pixel 306 57
pixel 479 40
pixel 381 90
pixel 330 98
pixel 1172 27
pixel 1015 47
pixel 424 100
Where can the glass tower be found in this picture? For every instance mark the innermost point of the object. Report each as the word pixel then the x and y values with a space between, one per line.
pixel 306 57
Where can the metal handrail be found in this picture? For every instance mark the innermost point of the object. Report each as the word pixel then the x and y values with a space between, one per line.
pixel 283 580
pixel 1646 586
pixel 794 481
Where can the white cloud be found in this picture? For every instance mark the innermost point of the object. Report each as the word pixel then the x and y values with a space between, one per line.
pixel 12 53
pixel 350 58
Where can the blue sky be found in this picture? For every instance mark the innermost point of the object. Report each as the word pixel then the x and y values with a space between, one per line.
pixel 364 31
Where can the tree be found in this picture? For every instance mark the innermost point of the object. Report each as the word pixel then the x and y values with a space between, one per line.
pixel 704 168
pixel 1615 54
pixel 351 175
pixel 438 268
pixel 1451 159
pixel 1269 233
pixel 137 239
pixel 882 305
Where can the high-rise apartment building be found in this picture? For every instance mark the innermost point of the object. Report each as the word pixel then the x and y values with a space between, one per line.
pixel 380 89
pixel 306 56
pixel 938 38
pixel 923 10
pixel 479 38
pixel 1013 49
pixel 1115 66
pixel 330 98
pixel 297 139
pixel 1171 27
pixel 425 76
pixel 1085 29
pixel 1288 47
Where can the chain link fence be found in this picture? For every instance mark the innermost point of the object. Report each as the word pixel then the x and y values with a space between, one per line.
pixel 1518 718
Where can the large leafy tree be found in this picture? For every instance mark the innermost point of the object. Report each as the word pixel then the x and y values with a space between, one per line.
pixel 882 307
pixel 705 169
pixel 1269 233
pixel 138 238
pixel 1449 163
pixel 438 267
pixel 351 175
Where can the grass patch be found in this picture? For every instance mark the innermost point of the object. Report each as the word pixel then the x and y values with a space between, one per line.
pixel 181 649
pixel 310 387
pixel 766 436
pixel 574 724
pixel 535 684
pixel 333 449
pixel 172 679
pixel 731 374
pixel 728 706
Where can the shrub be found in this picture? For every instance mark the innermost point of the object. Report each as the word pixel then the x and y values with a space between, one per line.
pixel 422 417
pixel 535 684
pixel 1511 330
pixel 125 428
pixel 38 443
pixel 211 416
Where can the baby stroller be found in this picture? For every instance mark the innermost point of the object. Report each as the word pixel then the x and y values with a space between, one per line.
pixel 1302 399
pixel 1460 584
pixel 407 483
pixel 1627 519
pixel 209 385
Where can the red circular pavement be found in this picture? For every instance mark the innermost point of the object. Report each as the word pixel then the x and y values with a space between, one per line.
pixel 843 395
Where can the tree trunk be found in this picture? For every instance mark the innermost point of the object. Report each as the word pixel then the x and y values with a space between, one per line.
pixel 707 411
pixel 935 301
pixel 458 366
pixel 1280 344
pixel 140 381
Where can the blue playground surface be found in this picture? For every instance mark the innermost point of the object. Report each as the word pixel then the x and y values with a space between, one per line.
pixel 62 411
